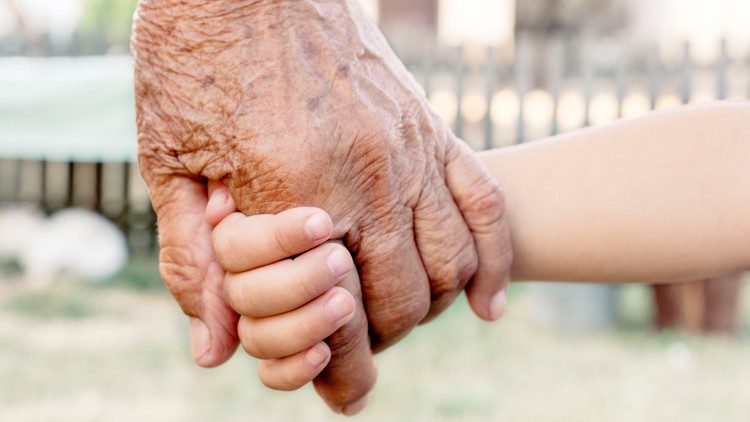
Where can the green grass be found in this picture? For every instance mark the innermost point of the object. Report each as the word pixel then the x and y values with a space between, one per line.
pixel 51 304
pixel 74 299
pixel 120 351
pixel 141 273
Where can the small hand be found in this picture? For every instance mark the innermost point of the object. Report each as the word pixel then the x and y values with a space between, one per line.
pixel 289 305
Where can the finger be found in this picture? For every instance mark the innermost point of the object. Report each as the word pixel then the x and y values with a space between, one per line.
pixel 445 244
pixel 394 283
pixel 289 333
pixel 351 372
pixel 482 204
pixel 286 285
pixel 292 372
pixel 220 203
pixel 243 243
pixel 189 268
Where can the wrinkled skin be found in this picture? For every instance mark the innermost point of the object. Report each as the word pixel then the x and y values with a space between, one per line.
pixel 295 103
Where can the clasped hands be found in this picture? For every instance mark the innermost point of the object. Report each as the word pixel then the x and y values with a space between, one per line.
pixel 292 105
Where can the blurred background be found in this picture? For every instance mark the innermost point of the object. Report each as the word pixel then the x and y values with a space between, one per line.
pixel 80 341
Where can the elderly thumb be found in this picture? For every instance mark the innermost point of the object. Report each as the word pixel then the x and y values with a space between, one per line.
pixel 189 268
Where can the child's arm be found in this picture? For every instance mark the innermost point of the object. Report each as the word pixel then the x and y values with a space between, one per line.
pixel 658 198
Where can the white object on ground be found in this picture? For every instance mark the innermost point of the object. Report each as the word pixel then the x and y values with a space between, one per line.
pixel 73 241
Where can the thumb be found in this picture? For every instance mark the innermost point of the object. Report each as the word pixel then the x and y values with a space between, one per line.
pixel 220 203
pixel 189 268
pixel 481 202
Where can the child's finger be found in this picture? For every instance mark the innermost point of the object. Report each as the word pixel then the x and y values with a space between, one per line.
pixel 286 334
pixel 292 372
pixel 286 285
pixel 243 243
pixel 220 203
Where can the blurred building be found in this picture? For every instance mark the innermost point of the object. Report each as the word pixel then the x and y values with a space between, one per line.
pixel 410 24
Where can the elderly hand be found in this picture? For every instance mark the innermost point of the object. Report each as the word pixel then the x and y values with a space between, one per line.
pixel 304 103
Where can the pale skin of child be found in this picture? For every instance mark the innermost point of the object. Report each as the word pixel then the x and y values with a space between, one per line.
pixel 660 198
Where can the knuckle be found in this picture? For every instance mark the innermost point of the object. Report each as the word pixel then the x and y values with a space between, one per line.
pixel 182 277
pixel 224 247
pixel 308 332
pixel 267 376
pixel 228 246
pixel 501 266
pixel 346 341
pixel 455 272
pixel 399 320
pixel 234 288
pixel 309 286
pixel 485 202
pixel 278 378
pixel 248 340
pixel 282 240
pixel 293 380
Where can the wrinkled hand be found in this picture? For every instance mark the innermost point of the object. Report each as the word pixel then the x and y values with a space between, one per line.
pixel 304 103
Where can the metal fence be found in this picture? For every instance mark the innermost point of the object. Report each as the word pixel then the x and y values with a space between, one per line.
pixel 550 84
pixel 113 189
pixel 492 97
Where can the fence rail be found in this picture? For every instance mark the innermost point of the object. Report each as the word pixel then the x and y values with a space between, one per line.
pixel 490 97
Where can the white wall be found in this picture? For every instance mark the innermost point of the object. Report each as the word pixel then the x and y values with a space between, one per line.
pixel 490 22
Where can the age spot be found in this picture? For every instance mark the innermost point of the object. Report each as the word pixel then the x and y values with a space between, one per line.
pixel 208 81
pixel 313 103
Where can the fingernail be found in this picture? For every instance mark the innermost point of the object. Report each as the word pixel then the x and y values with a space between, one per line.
pixel 339 262
pixel 200 341
pixel 339 306
pixel 497 304
pixel 317 226
pixel 356 407
pixel 315 356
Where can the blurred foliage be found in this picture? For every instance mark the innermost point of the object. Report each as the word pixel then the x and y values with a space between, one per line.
pixel 71 299
pixel 141 273
pixel 107 21
pixel 9 266
pixel 51 303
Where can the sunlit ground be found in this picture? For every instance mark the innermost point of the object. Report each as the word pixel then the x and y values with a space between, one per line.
pixel 117 352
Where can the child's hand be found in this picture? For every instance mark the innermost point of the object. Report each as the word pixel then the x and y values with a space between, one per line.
pixel 289 306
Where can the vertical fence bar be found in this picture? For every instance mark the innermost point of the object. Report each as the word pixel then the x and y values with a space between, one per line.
pixel 125 210
pixel 490 75
pixel 98 186
pixel 152 230
pixel 521 75
pixel 555 75
pixel 126 203
pixel 721 71
pixel 458 127
pixel 71 184
pixel 18 165
pixel 653 73
pixel 686 77
pixel 43 185
pixel 621 82
pixel 587 79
